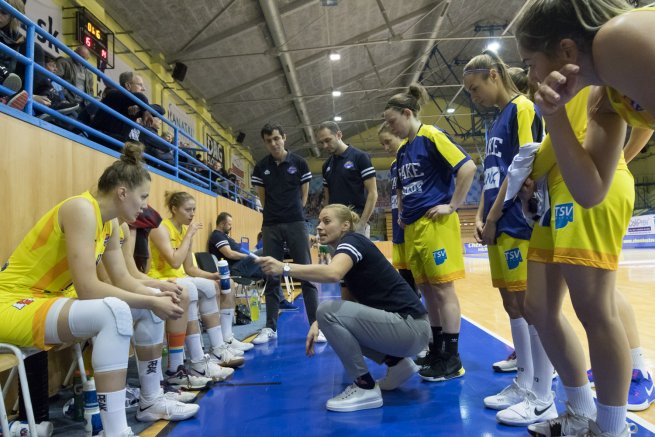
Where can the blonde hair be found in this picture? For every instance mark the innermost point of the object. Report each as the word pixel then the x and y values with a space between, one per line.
pixel 384 128
pixel 487 61
pixel 344 214
pixel 413 99
pixel 544 23
pixel 128 170
pixel 175 199
pixel 19 5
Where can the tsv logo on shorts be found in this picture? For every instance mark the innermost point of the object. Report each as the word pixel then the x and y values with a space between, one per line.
pixel 513 258
pixel 563 215
pixel 440 256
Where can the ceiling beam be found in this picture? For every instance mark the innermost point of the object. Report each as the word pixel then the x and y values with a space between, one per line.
pixel 315 57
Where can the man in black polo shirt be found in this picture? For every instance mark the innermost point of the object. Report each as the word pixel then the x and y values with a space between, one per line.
pixel 282 181
pixel 221 245
pixel 348 175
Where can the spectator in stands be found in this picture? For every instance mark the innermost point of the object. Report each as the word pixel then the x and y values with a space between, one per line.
pixel 119 102
pixel 76 74
pixel 167 136
pixel 154 148
pixel 12 38
pixel 222 246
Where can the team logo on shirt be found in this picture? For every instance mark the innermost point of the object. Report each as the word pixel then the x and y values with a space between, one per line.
pixel 563 215
pixel 22 303
pixel 491 178
pixel 292 170
pixel 327 169
pixel 513 258
pixel 439 256
pixel 267 172
pixel 348 165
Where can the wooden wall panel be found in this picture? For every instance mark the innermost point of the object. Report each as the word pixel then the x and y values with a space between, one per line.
pixel 41 168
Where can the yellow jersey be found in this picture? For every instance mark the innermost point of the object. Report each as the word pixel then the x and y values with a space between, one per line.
pixel 545 162
pixel 39 265
pixel 159 267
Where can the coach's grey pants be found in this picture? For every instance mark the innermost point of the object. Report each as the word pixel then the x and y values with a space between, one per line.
pixel 355 330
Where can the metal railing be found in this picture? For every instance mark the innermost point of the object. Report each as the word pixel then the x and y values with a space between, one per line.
pixel 186 167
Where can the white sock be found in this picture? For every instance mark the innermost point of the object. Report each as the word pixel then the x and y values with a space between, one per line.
pixel 521 337
pixel 638 361
pixel 112 412
pixel 215 335
pixel 227 317
pixel 193 345
pixel 581 400
pixel 175 360
pixel 611 419
pixel 149 378
pixel 543 369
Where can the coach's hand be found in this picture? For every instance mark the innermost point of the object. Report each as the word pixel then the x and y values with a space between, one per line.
pixel 311 339
pixel 270 265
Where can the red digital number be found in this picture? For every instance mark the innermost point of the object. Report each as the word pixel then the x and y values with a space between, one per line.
pixel 103 54
pixel 87 41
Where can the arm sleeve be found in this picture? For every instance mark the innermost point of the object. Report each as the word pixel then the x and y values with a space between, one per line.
pixel 452 153
pixel 306 175
pixel 256 178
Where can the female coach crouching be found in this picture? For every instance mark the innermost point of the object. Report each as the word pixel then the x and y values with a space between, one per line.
pixel 379 316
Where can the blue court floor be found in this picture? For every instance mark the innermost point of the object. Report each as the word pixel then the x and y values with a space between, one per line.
pixel 281 392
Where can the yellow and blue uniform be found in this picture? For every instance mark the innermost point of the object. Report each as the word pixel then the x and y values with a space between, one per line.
pixel 398 258
pixel 426 177
pixel 37 273
pixel 159 267
pixel 589 237
pixel 519 123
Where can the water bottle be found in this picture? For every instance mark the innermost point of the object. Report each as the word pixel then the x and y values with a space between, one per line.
pixel 21 429
pixel 224 273
pixel 254 307
pixel 92 422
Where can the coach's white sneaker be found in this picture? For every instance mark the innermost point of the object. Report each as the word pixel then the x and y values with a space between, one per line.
pixel 510 395
pixel 264 336
pixel 354 398
pixel 398 374
pixel 164 408
pixel 529 411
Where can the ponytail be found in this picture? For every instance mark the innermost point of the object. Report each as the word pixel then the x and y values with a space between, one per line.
pixel 128 170
pixel 413 99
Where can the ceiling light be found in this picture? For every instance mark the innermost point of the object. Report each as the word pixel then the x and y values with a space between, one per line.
pixel 494 46
pixel 450 110
pixel 337 118
pixel 336 93
pixel 334 56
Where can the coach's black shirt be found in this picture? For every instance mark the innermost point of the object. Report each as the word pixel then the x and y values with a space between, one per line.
pixel 344 176
pixel 373 281
pixel 283 202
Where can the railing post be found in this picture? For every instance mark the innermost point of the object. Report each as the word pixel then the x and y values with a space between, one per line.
pixel 29 68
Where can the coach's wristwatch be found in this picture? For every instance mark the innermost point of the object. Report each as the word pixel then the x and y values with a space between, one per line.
pixel 286 271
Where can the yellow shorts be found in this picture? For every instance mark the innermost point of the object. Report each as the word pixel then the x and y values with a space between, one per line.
pixel 398 257
pixel 433 249
pixel 509 263
pixel 591 237
pixel 22 322
pixel 541 245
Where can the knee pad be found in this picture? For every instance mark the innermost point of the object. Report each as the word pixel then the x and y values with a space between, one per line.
pixel 122 315
pixel 148 328
pixel 206 287
pixel 192 290
pixel 208 305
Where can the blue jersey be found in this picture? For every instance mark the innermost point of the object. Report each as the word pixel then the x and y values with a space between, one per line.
pixel 426 171
pixel 397 233
pixel 519 123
